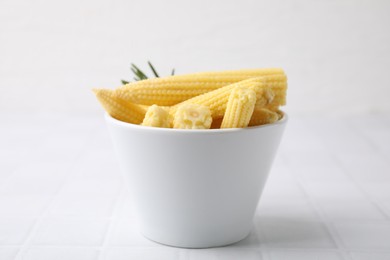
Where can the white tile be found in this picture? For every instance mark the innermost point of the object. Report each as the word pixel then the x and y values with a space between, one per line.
pixel 100 155
pixel 377 131
pixel 83 205
pixel 106 157
pixel 99 170
pixel 14 137
pixel 225 253
pixel 47 253
pixel 321 174
pixel 7 169
pixel 127 210
pixel 127 233
pixel 377 190
pixel 279 159
pixel 338 137
pixel 8 253
pixel 286 208
pixel 386 207
pixel 282 190
pixel 293 141
pixel 121 253
pixel 9 155
pixel 365 234
pixel 66 141
pixel 100 140
pixel 51 154
pixel 368 123
pixel 351 210
pixel 58 147
pixel 334 191
pixel 280 173
pixel 316 167
pixel 304 255
pixel 286 233
pixel 23 204
pixel 299 137
pixel 36 178
pixel 366 167
pixel 76 123
pixel 36 120
pixel 56 231
pixel 93 185
pixel 13 231
pixel 91 159
pixel 309 159
pixel 370 256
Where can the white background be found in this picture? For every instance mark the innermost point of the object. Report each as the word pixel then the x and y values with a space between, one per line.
pixel 336 53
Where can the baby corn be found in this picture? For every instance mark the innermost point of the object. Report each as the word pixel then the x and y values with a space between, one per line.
pixel 192 116
pixel 217 100
pixel 157 116
pixel 175 89
pixel 239 108
pixel 263 116
pixel 119 108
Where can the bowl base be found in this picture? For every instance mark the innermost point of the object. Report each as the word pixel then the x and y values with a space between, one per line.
pixel 196 246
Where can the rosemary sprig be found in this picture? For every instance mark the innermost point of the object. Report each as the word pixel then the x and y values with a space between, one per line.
pixel 154 71
pixel 140 75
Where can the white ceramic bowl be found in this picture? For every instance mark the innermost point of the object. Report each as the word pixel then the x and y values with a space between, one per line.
pixel 195 188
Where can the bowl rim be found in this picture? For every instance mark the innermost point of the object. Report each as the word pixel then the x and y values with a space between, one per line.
pixel 120 123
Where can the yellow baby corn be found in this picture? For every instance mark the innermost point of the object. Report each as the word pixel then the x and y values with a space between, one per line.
pixel 119 108
pixel 157 116
pixel 239 108
pixel 271 107
pixel 192 116
pixel 264 95
pixel 263 116
pixel 217 100
pixel 278 84
pixel 175 89
pixel 246 73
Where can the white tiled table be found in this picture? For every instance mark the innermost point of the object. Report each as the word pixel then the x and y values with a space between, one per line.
pixel 62 196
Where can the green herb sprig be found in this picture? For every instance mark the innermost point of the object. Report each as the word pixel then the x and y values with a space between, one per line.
pixel 140 75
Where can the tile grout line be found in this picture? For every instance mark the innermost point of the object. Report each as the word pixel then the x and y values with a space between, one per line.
pixel 40 218
pixel 45 211
pixel 373 201
pixel 263 248
pixel 368 140
pixel 361 189
pixel 13 173
pixel 118 205
pixel 328 225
